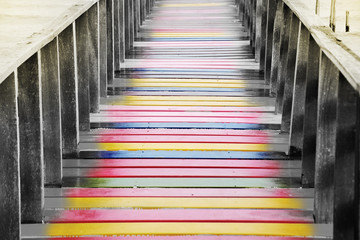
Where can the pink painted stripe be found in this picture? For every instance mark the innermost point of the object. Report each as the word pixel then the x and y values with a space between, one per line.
pixel 208 132
pixel 185 192
pixel 182 215
pixel 176 119
pixel 179 172
pixel 179 139
pixel 186 114
pixel 185 163
pixel 181 108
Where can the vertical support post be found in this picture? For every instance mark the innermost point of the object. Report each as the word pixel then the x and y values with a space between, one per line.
pixel 131 22
pixel 127 26
pixel 258 21
pixel 88 64
pixel 326 139
pixel 298 99
pixel 275 56
pixel 263 34
pixel 310 114
pixel 290 73
pixel 31 141
pixel 69 92
pixel 9 160
pixel 271 11
pixel 333 15
pixel 346 217
pixel 103 48
pixel 117 31
pixel 284 47
pixel 122 30
pixel 110 40
pixel 50 86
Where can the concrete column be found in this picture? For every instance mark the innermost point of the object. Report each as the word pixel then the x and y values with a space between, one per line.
pixel 9 161
pixel 110 39
pixel 69 92
pixel 50 86
pixel 31 141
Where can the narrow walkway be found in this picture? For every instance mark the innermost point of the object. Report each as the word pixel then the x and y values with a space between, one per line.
pixel 191 147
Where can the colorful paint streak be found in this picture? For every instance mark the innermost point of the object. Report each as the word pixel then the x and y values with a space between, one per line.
pixel 203 164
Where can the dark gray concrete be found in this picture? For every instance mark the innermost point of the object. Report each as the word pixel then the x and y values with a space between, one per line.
pixel 50 88
pixel 31 142
pixel 9 161
pixel 69 91
pixel 271 11
pixel 110 39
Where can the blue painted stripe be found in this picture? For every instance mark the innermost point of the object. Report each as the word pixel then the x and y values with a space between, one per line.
pixel 184 125
pixel 183 154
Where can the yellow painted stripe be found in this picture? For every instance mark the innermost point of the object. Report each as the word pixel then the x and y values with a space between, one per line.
pixel 186 103
pixel 96 229
pixel 187 98
pixel 193 5
pixel 193 85
pixel 174 80
pixel 183 146
pixel 158 202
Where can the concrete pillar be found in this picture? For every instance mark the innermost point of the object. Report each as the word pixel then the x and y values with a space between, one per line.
pixel 69 92
pixel 50 86
pixel 9 161
pixel 31 141
pixel 110 40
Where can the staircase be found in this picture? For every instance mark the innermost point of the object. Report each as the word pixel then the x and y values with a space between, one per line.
pixel 186 146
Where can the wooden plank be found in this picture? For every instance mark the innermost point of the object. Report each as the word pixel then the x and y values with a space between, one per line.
pixel 144 146
pixel 310 115
pixel 326 139
pixel 69 92
pixel 179 108
pixel 183 203
pixel 9 160
pixel 179 215
pixel 182 183
pixel 31 141
pixel 51 108
pixel 181 163
pixel 298 106
pixel 180 173
pixel 346 215
pixel 182 192
pixel 186 138
pixel 259 229
pixel 47 24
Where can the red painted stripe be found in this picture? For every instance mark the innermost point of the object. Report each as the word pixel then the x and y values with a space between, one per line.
pixel 185 114
pixel 176 119
pixel 185 163
pixel 180 139
pixel 182 215
pixel 181 108
pixel 184 192
pixel 179 172
pixel 208 132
